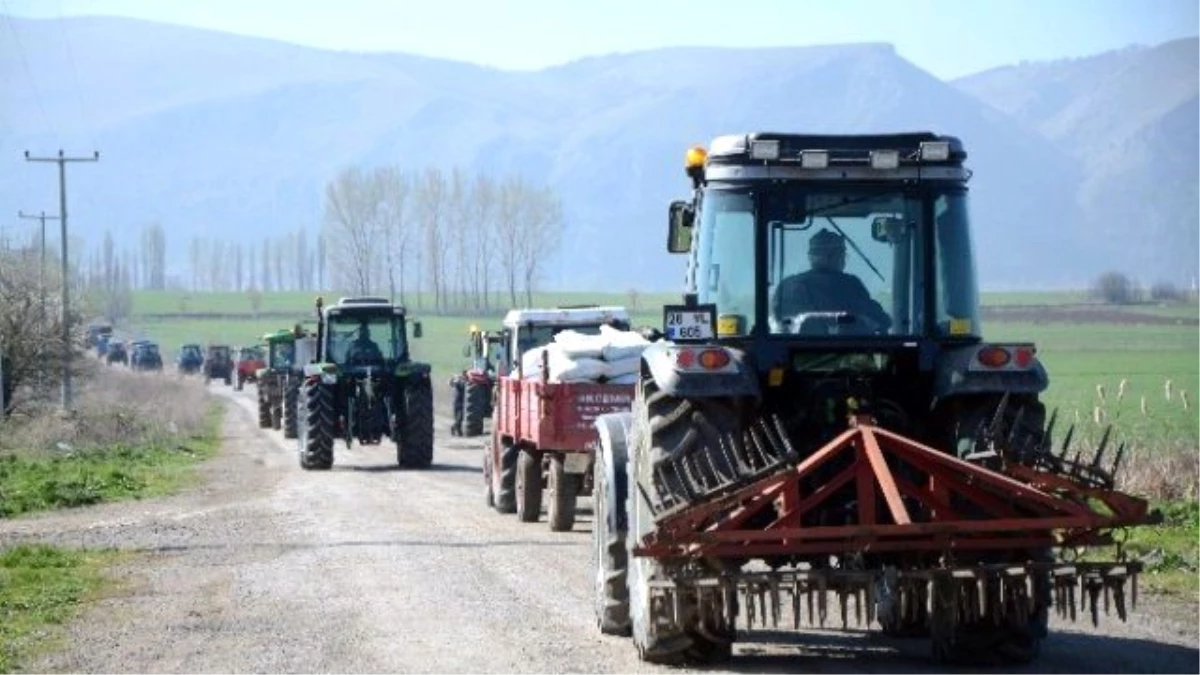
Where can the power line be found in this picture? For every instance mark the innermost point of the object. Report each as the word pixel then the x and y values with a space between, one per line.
pixel 37 97
pixel 74 76
pixel 62 161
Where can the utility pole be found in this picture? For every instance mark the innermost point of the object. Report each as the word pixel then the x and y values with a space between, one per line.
pixel 41 279
pixel 62 160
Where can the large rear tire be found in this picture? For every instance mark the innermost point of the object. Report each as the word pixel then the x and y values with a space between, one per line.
pixel 506 493
pixel 474 408
pixel 291 400
pixel 529 486
pixel 564 488
pixel 414 449
pixel 317 428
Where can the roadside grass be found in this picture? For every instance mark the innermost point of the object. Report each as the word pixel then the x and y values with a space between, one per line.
pixel 130 436
pixel 41 588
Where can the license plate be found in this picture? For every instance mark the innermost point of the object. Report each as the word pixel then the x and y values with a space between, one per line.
pixel 576 462
pixel 689 324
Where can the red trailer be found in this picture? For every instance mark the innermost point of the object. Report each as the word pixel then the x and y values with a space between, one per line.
pixel 544 433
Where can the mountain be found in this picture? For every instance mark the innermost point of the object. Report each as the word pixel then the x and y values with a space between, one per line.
pixel 1129 119
pixel 236 137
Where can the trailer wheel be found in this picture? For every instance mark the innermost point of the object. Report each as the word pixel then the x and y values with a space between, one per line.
pixel 506 493
pixel 565 486
pixel 529 486
pixel 316 431
pixel 474 408
pixel 264 410
pixel 291 398
pixel 610 560
pixel 414 450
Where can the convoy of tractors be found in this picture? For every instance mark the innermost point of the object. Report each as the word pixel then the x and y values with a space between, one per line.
pixel 817 425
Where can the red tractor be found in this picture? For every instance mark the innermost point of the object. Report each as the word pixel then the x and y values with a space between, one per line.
pixel 474 387
pixel 247 363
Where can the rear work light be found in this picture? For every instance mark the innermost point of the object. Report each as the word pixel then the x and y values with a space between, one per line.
pixel 935 151
pixel 764 150
pixel 885 159
pixel 814 159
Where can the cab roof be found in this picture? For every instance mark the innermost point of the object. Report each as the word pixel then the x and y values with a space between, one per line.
pixel 565 316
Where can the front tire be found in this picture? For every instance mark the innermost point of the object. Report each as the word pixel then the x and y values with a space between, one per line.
pixel 610 560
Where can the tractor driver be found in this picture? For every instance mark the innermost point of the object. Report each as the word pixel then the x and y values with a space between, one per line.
pixel 364 351
pixel 826 288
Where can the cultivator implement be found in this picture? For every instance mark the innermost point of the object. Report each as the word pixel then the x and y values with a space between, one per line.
pixel 915 540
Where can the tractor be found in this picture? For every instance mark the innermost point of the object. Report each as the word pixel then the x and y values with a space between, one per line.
pixel 824 426
pixel 278 381
pixel 363 385
pixel 474 387
pixel 218 364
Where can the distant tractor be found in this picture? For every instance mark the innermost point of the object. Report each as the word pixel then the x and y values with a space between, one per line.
pixel 543 433
pixel 97 333
pixel 474 387
pixel 363 385
pixel 248 362
pixel 279 380
pixel 824 423
pixel 190 359
pixel 218 364
pixel 116 353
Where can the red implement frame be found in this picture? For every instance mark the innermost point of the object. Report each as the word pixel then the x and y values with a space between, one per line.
pixel 1021 508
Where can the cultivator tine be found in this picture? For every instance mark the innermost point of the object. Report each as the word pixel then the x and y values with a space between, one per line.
pixel 1117 461
pixel 822 601
pixel 1015 427
pixel 1062 455
pixel 789 451
pixel 1103 445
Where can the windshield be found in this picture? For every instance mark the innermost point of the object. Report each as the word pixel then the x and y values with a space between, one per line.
pixel 365 339
pixel 838 261
pixel 282 354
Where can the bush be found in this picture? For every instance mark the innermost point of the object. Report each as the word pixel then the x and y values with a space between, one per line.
pixel 1165 291
pixel 1115 288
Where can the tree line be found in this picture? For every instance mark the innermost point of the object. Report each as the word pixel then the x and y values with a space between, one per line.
pixel 458 240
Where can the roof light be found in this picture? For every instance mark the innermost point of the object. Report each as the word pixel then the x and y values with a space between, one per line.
pixel 695 157
pixel 935 151
pixel 764 150
pixel 814 159
pixel 885 159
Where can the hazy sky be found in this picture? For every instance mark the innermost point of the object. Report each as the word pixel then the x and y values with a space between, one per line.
pixel 946 37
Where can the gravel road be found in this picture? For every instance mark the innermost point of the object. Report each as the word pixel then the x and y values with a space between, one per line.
pixel 268 568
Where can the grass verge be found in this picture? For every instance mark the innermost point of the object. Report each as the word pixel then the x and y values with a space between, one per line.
pixel 41 588
pixel 40 481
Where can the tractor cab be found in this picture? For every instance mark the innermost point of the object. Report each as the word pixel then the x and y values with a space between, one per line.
pixel 527 329
pixel 360 333
pixel 836 263
pixel 485 349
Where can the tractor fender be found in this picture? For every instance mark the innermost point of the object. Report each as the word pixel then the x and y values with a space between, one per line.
pixel 737 378
pixel 955 376
pixel 614 432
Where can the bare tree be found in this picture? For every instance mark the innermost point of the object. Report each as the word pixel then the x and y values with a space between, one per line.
pixel 352 229
pixel 394 188
pixel 509 233
pixel 481 234
pixel 540 235
pixel 430 201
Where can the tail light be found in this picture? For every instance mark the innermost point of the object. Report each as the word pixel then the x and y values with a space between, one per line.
pixel 993 356
pixel 710 358
pixel 1004 357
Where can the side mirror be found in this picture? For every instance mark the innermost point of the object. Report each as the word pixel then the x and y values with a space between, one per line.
pixel 680 220
pixel 887 229
pixel 417 332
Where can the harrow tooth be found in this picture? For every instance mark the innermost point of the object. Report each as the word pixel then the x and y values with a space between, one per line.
pixel 789 451
pixel 749 595
pixel 1062 455
pixel 795 603
pixel 822 602
pixel 843 605
pixel 1134 593
pixel 811 614
pixel 1103 445
pixel 1117 461
pixel 775 611
pixel 1048 434
pixel 1093 591
pixel 858 607
pixel 1016 425
pixel 870 594
pixel 1106 592
pixel 763 617
pixel 993 430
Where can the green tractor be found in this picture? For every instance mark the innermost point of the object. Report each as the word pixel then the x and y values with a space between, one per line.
pixel 278 383
pixel 364 385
